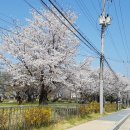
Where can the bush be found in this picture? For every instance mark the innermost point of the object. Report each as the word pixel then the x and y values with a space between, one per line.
pixel 3 120
pixel 110 107
pixel 92 107
pixel 37 116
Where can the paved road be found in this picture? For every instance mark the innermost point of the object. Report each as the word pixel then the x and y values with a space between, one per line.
pixel 125 125
pixel 117 116
pixel 104 123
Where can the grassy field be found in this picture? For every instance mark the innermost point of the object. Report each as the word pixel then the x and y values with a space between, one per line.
pixel 56 104
pixel 9 104
pixel 63 125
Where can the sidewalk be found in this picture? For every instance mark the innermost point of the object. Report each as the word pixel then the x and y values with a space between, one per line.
pixel 103 123
pixel 125 125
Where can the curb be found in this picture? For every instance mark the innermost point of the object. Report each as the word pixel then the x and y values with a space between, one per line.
pixel 116 127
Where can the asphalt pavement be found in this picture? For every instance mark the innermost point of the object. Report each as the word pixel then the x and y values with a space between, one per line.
pixel 104 123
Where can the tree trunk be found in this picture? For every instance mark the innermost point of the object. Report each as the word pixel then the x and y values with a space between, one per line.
pixel 29 99
pixel 43 100
pixel 98 98
pixel 30 96
pixel 117 103
pixel 111 99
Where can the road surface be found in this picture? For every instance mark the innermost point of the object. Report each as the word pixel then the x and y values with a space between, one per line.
pixel 106 123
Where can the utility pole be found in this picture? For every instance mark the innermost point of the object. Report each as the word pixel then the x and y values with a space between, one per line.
pixel 104 21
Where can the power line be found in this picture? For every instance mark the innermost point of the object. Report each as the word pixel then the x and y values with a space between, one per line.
pixel 111 59
pixel 45 17
pixel 82 5
pixel 30 5
pixel 111 38
pixel 2 28
pixel 62 9
pixel 77 32
pixel 87 10
pixel 114 45
pixel 95 50
pixel 123 40
pixel 115 60
pixel 99 4
pixel 125 48
pixel 16 33
pixel 94 7
pixel 9 17
pixel 10 23
pixel 122 21
pixel 109 33
pixel 88 44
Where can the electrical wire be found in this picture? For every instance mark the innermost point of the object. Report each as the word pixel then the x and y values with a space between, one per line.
pixel 111 38
pixel 85 41
pixel 10 23
pixel 83 7
pixel 87 10
pixel 77 32
pixel 99 4
pixel 66 15
pixel 111 59
pixel 73 32
pixel 122 21
pixel 125 48
pixel 114 45
pixel 94 7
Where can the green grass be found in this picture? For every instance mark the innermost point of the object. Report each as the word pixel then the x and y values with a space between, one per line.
pixel 16 104
pixel 63 125
pixel 56 104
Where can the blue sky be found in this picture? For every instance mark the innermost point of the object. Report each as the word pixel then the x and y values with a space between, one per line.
pixel 88 12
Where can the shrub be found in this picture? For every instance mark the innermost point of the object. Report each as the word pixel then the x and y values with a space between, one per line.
pixel 110 107
pixel 37 116
pixel 3 120
pixel 92 107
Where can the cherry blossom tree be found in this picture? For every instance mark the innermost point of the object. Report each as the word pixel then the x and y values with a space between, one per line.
pixel 40 52
pixel 89 83
pixel 41 55
pixel 83 80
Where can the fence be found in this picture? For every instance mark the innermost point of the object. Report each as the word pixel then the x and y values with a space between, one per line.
pixel 26 117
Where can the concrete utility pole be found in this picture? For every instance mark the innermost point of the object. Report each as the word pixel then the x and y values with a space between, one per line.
pixel 104 21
